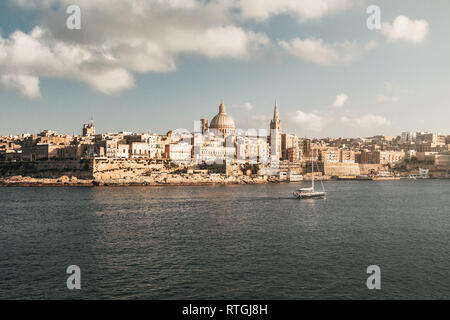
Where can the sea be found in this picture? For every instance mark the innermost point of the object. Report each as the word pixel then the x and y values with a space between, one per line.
pixel 227 241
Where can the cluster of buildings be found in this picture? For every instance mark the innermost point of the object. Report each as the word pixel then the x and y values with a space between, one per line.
pixel 219 141
pixel 409 147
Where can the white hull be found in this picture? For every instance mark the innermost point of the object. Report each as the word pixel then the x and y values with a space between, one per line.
pixel 309 195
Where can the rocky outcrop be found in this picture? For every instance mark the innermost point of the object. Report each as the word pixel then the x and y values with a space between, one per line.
pixel 182 179
pixel 32 181
pixel 151 180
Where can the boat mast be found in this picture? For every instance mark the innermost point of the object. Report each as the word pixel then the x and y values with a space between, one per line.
pixel 312 166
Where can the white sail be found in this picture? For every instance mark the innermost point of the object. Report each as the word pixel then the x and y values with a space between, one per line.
pixel 310 193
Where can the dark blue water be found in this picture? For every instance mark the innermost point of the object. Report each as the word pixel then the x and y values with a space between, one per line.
pixel 233 242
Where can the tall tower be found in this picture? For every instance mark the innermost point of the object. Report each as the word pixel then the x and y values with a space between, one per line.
pixel 275 134
pixel 89 128
pixel 204 125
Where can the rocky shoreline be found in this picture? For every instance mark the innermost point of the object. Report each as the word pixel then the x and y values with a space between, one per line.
pixel 153 180
pixel 161 180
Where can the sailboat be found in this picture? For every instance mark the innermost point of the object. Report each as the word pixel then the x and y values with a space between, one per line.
pixel 310 193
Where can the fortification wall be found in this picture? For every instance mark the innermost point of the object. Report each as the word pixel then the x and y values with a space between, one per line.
pixel 368 168
pixel 342 169
pixel 48 169
pixel 105 169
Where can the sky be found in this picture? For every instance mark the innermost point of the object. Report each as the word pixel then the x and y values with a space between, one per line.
pixel 159 65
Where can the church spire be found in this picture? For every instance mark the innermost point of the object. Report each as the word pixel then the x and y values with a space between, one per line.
pixel 275 134
pixel 275 123
pixel 275 112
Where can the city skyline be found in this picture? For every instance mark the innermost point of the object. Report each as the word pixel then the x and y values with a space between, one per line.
pixel 207 151
pixel 197 123
pixel 331 75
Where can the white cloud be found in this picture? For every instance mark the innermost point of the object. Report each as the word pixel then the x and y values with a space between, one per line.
pixel 340 100
pixel 247 106
pixel 119 38
pixel 365 121
pixel 229 41
pixel 371 45
pixel 255 121
pixel 37 54
pixel 110 80
pixel 345 119
pixel 403 28
pixel 259 121
pixel 323 122
pixel 384 98
pixel 309 120
pixel 319 52
pixel 303 10
pixel 26 84
pixel 315 121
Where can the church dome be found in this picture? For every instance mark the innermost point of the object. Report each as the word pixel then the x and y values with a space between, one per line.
pixel 222 121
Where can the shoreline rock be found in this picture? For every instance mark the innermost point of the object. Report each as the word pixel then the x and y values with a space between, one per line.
pixel 157 180
pixel 141 181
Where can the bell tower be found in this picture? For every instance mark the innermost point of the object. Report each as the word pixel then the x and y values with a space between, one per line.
pixel 89 128
pixel 275 134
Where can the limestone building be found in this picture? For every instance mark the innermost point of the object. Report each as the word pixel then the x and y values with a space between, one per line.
pixel 89 129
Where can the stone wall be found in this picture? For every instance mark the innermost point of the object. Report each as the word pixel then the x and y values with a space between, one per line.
pixel 105 169
pixel 342 169
pixel 113 169
pixel 367 168
pixel 48 169
pixel 351 169
pixel 148 172
pixel 109 169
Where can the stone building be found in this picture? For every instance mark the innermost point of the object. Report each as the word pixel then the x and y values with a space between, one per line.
pixel 347 156
pixel 139 149
pixel 88 129
pixel 212 148
pixel 442 160
pixel 294 154
pixel 252 149
pixel 288 141
pixel 179 152
pixel 123 151
pixel 382 157
pixel 330 155
pixel 45 151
